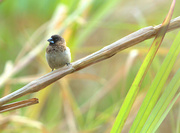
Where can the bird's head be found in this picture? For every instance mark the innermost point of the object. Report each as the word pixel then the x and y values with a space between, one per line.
pixel 56 39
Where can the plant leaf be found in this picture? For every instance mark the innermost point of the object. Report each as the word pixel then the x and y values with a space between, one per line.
pixel 130 97
pixel 157 116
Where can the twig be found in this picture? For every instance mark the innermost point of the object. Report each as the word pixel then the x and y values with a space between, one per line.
pixel 17 105
pixel 104 53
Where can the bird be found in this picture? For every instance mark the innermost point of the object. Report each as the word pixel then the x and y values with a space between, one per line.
pixel 57 53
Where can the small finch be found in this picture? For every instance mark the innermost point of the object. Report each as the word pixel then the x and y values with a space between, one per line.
pixel 57 53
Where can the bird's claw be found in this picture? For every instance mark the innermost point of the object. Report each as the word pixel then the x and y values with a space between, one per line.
pixel 67 64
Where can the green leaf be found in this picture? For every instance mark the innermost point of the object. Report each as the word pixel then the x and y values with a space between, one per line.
pixel 158 83
pixel 156 118
pixel 168 63
pixel 130 97
pixel 165 114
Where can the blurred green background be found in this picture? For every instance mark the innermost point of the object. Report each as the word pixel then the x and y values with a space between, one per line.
pixel 88 100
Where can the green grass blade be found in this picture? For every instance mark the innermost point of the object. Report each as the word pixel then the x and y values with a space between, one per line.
pixel 165 113
pixel 155 119
pixel 156 87
pixel 178 121
pixel 130 97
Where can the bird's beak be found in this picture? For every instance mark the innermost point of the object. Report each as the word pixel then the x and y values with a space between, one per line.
pixel 50 40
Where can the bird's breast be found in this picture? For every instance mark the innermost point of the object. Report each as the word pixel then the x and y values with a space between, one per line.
pixel 57 58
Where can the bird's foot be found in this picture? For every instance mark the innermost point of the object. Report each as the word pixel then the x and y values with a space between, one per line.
pixel 68 64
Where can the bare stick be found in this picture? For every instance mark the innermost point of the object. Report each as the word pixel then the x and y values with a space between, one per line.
pixel 102 54
pixel 17 105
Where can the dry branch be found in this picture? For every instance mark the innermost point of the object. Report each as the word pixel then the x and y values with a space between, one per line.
pixel 16 105
pixel 104 53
